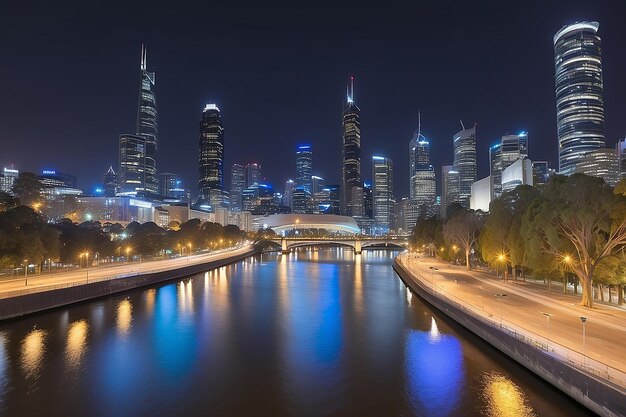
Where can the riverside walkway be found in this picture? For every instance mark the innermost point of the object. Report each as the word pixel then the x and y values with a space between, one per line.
pixel 45 282
pixel 552 323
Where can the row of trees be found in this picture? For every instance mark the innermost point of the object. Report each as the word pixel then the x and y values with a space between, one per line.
pixel 26 235
pixel 573 225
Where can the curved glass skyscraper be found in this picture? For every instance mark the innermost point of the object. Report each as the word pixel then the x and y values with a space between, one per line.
pixel 579 93
pixel 304 168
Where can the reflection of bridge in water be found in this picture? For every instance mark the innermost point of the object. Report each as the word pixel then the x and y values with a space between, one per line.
pixel 357 243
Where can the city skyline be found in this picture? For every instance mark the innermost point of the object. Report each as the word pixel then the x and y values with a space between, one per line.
pixel 381 134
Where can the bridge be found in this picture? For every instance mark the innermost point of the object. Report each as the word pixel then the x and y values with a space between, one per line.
pixel 357 243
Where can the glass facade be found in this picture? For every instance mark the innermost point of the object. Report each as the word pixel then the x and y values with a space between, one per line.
pixel 304 168
pixel 502 155
pixel 137 172
pixel 237 183
pixel 382 193
pixel 450 187
pixel 351 155
pixel 464 143
pixel 579 93
pixel 422 183
pixel 211 161
pixel 602 163
pixel 147 122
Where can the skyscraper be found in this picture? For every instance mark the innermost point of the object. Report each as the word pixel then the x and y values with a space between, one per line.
pixel 351 153
pixel 109 183
pixel 253 175
pixel 137 172
pixel 7 178
pixel 464 143
pixel 382 174
pixel 450 188
pixel 422 188
pixel 211 160
pixel 138 152
pixel 288 194
pixel 237 184
pixel 304 167
pixel 504 154
pixel 579 93
pixel 172 187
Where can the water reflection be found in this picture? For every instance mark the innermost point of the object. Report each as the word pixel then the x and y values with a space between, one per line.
pixel 32 352
pixel 435 372
pixel 124 317
pixel 504 398
pixel 76 343
pixel 4 366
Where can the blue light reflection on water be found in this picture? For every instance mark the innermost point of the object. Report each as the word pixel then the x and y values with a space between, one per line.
pixel 435 371
pixel 312 333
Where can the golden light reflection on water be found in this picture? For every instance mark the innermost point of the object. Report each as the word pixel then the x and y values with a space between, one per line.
pixel 76 343
pixel 150 297
pixel 504 398
pixel 33 347
pixel 185 296
pixel 124 317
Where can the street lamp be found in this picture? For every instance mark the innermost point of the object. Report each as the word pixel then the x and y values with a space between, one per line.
pixel 500 296
pixel 127 253
pixel 432 276
pixel 584 321
pixel 26 271
pixel 87 265
pixel 501 258
pixel 547 315
pixel 189 252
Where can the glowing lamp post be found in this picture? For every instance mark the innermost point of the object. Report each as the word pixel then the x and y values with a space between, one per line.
pixel 500 296
pixel 26 271
pixel 584 322
pixel 547 315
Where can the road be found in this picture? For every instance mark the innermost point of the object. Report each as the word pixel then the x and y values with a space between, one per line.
pixel 522 307
pixel 38 283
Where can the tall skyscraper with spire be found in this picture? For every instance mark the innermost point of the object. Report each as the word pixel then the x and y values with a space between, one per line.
pixel 351 155
pixel 579 93
pixel 138 152
pixel 422 190
pixel 211 159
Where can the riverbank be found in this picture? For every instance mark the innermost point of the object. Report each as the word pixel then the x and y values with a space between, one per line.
pixel 41 297
pixel 477 306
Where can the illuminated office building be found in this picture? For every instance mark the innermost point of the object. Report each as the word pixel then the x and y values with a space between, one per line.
pixel 464 144
pixel 304 168
pixel 579 93
pixel 382 193
pixel 351 155
pixel 211 159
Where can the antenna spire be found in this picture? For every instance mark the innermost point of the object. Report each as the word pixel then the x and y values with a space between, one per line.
pixel 419 123
pixel 144 58
pixel 462 125
pixel 350 90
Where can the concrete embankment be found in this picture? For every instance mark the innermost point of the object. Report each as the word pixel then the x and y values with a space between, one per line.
pixel 599 396
pixel 45 300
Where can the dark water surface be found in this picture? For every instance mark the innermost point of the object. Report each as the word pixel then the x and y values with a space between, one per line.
pixel 315 333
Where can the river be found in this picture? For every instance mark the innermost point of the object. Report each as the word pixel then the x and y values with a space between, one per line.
pixel 319 332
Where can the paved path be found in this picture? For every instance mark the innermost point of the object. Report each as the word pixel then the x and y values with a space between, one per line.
pixel 521 309
pixel 37 283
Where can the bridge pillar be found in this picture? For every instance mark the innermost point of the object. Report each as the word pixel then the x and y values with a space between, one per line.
pixel 284 247
pixel 357 247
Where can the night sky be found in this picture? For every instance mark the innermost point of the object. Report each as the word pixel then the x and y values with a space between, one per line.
pixel 69 75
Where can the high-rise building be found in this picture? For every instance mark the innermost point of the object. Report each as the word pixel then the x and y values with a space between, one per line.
pixel 422 184
pixel 518 173
pixel 138 153
pixel 501 155
pixel 253 175
pixel 211 159
pixel 288 194
pixel 7 178
pixel 237 184
pixel 109 183
pixel 579 93
pixel 302 202
pixel 368 200
pixel 382 174
pixel 464 143
pixel 602 163
pixel 147 121
pixel 304 167
pixel 351 153
pixel 450 187
pixel 172 187
pixel 620 148
pixel 334 199
pixel 541 172
pixel 137 173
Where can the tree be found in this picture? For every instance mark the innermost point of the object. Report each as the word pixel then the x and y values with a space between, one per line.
pixel 27 188
pixel 424 232
pixel 7 201
pixel 581 213
pixel 463 229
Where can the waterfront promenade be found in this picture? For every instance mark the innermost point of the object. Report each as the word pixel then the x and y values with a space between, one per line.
pixel 551 322
pixel 39 283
